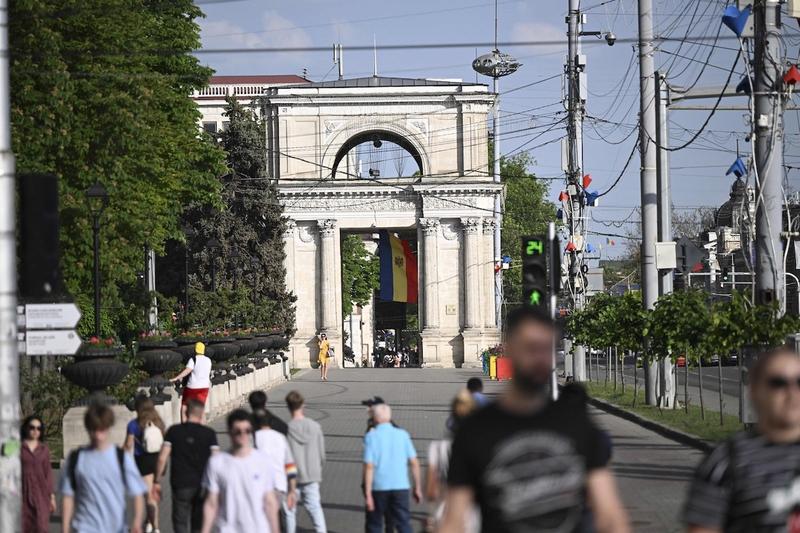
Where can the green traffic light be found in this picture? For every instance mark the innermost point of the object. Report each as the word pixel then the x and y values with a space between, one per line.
pixel 534 248
pixel 536 298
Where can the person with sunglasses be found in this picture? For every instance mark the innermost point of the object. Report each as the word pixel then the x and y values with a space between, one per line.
pixel 240 484
pixel 38 498
pixel 751 482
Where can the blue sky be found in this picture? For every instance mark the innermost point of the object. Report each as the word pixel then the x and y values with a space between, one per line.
pixel 698 172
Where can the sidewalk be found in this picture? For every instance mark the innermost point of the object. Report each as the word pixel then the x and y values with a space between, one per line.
pixel 652 471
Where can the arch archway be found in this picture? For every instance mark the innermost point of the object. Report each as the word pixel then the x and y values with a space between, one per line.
pixel 377 134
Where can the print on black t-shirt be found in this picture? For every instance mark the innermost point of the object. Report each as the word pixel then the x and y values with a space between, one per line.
pixel 528 472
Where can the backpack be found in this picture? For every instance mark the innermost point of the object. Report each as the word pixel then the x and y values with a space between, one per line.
pixel 72 463
pixel 185 380
pixel 152 438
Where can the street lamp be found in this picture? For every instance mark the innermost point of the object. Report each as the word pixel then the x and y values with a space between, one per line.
pixel 213 245
pixel 255 263
pixel 189 233
pixel 97 196
pixel 233 256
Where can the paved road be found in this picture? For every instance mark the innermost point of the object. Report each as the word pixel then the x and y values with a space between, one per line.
pixel 652 471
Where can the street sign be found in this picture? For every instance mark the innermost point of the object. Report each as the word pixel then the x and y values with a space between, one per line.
pixel 50 342
pixel 50 316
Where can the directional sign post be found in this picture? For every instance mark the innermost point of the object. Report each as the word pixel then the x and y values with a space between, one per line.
pixel 50 316
pixel 50 342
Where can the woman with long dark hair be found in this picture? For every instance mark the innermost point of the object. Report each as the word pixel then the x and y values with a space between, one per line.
pixel 38 498
pixel 145 435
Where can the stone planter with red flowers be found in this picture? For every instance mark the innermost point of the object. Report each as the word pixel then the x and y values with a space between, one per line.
pixel 96 369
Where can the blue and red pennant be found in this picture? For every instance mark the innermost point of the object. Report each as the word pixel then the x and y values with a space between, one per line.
pixel 399 280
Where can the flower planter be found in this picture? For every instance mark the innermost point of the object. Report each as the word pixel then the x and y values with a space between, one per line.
pixel 96 369
pixel 492 367
pixel 504 368
pixel 155 362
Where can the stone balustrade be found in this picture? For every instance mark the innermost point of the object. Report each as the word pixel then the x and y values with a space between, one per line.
pixel 222 398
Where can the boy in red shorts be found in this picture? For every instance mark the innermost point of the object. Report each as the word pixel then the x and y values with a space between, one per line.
pixel 199 371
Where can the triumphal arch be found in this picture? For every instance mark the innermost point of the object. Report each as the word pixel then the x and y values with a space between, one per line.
pixel 446 204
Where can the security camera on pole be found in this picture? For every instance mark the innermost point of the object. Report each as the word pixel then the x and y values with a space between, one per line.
pixel 496 64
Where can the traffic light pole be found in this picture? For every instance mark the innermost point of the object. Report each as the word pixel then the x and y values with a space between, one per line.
pixel 554 249
pixel 10 483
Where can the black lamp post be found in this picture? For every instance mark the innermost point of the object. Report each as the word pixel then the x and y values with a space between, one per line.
pixel 97 195
pixel 234 256
pixel 189 233
pixel 213 245
pixel 254 265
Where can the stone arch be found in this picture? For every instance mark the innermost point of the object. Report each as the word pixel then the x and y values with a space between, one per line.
pixel 348 138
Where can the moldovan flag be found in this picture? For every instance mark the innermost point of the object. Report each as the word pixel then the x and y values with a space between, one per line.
pixel 398 270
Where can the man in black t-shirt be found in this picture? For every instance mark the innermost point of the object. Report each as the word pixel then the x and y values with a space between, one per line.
pixel 532 464
pixel 751 482
pixel 189 444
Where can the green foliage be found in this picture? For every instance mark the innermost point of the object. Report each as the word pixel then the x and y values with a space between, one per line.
pixel 360 274
pixel 527 212
pixel 91 102
pixel 249 228
pixel 680 321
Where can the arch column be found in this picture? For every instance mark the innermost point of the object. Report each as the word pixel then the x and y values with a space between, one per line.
pixel 472 228
pixel 327 281
pixel 430 274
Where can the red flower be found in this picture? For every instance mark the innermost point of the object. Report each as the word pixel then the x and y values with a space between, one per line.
pixel 109 341
pixel 94 340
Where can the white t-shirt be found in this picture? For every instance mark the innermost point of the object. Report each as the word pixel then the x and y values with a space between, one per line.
pixel 200 378
pixel 241 483
pixel 276 447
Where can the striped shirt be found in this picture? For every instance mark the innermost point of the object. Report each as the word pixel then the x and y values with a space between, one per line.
pixel 747 484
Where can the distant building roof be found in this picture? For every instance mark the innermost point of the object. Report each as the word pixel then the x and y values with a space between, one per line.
pixel 267 79
pixel 383 81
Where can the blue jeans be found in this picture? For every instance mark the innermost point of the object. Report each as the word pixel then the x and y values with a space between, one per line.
pixel 308 497
pixel 394 503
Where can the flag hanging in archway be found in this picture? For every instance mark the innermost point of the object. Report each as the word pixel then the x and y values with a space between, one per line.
pixel 399 280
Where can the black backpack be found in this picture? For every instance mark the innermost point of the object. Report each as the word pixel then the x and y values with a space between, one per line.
pixel 72 463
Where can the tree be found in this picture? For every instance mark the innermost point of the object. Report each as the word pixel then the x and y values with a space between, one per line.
pixel 360 274
pixel 527 211
pixel 93 101
pixel 249 228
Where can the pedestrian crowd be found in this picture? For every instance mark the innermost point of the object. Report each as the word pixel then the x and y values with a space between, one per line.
pixel 515 463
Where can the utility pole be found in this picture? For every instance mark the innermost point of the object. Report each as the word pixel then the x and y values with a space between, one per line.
pixel 769 271
pixel 10 483
pixel 649 178
pixel 574 213
pixel 664 393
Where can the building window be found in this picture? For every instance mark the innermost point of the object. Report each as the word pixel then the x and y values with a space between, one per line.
pixel 210 127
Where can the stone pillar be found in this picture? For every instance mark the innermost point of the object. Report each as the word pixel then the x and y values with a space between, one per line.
pixel 487 275
pixel 472 228
pixel 327 254
pixel 430 274
pixel 288 248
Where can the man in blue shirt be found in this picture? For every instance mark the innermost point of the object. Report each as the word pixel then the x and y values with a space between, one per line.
pixel 96 480
pixel 388 451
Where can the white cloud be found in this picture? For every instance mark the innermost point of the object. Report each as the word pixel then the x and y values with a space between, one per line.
pixel 539 31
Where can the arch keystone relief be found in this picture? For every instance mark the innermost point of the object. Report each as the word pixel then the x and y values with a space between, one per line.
pixel 409 156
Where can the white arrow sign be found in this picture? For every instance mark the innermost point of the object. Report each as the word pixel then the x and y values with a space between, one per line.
pixel 51 316
pixel 54 342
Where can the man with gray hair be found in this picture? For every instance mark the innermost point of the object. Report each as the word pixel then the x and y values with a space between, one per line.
pixel 388 452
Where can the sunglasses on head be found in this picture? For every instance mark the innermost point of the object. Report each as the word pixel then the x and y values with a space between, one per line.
pixel 782 382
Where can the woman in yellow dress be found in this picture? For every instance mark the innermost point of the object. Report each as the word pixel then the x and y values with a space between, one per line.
pixel 324 356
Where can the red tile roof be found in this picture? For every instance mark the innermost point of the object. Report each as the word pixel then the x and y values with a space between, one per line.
pixel 266 79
